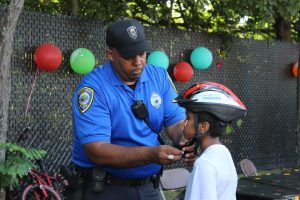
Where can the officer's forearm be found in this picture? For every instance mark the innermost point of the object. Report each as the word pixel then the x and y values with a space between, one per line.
pixel 119 156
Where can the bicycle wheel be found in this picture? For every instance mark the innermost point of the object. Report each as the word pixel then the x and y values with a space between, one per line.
pixel 36 192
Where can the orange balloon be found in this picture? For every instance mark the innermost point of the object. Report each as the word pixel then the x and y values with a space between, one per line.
pixel 294 69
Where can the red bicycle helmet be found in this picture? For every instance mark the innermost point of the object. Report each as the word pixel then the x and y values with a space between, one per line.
pixel 214 98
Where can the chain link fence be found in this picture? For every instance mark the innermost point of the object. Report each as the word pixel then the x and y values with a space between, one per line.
pixel 257 71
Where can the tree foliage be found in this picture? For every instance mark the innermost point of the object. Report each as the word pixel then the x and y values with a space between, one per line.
pixel 266 19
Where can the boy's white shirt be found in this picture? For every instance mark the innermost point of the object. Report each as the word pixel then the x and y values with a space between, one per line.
pixel 214 176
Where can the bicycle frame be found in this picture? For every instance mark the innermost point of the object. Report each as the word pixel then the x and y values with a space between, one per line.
pixel 40 179
pixel 38 183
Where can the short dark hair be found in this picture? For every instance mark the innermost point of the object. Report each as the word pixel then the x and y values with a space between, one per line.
pixel 217 126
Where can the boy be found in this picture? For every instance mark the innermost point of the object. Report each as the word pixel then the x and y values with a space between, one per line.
pixel 210 106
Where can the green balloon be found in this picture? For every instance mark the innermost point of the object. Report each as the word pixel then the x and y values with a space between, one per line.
pixel 201 58
pixel 159 59
pixel 82 61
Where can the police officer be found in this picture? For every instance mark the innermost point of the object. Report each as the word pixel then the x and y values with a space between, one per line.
pixel 118 110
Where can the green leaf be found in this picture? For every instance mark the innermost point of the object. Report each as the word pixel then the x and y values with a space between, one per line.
pixel 17 163
pixel 229 130
pixel 239 123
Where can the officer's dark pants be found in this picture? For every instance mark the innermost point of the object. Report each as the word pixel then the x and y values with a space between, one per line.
pixel 116 192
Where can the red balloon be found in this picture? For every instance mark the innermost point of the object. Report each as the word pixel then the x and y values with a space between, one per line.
pixel 47 57
pixel 183 71
pixel 294 69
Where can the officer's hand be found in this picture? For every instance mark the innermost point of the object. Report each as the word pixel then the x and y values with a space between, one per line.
pixel 167 154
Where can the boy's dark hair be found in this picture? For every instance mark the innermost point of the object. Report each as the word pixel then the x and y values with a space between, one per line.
pixel 217 126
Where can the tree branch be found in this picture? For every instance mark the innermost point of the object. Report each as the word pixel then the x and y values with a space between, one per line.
pixel 14 9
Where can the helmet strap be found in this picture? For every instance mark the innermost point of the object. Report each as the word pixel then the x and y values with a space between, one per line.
pixel 197 135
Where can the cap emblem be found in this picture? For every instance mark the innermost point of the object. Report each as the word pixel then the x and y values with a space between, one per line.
pixel 132 32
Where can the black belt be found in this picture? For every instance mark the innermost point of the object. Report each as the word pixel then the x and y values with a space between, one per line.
pixel 127 182
pixel 86 173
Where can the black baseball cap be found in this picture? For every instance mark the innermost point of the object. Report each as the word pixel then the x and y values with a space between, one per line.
pixel 127 35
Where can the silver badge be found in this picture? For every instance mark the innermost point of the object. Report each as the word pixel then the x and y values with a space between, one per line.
pixel 155 100
pixel 132 32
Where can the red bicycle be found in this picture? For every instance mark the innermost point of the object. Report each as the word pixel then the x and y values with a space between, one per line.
pixel 39 185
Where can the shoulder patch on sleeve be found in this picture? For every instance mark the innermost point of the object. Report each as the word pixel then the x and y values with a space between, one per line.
pixel 85 98
pixel 171 82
